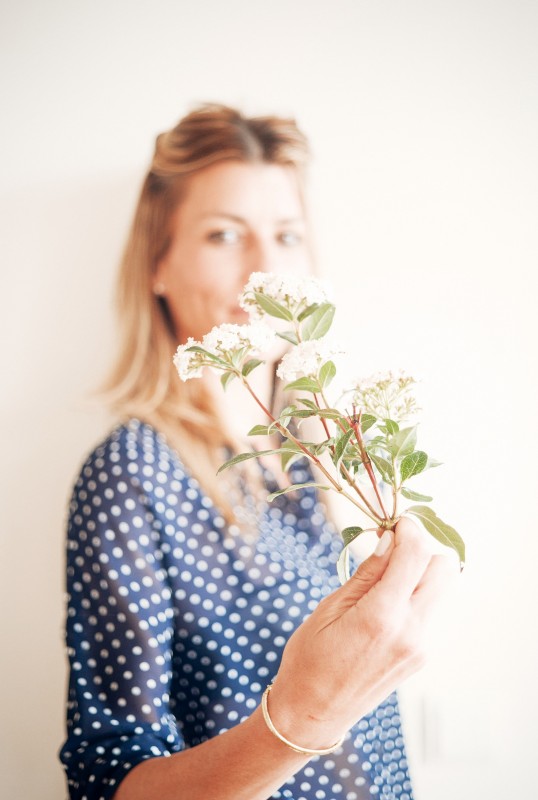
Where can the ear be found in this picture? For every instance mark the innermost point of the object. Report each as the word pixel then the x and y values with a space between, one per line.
pixel 160 277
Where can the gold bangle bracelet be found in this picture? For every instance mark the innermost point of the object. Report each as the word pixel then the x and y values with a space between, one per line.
pixel 305 751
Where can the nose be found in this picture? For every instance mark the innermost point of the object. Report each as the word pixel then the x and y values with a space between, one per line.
pixel 261 255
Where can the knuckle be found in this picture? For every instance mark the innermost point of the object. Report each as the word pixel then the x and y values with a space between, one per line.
pixel 416 544
pixel 381 623
pixel 406 649
pixel 409 647
pixel 364 577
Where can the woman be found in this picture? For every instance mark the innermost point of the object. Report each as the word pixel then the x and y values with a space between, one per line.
pixel 187 594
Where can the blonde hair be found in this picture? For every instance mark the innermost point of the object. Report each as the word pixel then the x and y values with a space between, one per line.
pixel 144 383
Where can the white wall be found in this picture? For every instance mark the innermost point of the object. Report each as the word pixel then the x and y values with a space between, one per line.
pixel 424 121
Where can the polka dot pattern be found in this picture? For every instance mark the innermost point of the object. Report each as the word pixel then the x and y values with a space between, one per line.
pixel 176 623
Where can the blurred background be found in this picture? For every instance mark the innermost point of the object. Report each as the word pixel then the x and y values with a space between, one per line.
pixel 423 119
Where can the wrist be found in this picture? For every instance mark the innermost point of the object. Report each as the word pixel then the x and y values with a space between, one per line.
pixel 297 725
pixel 293 745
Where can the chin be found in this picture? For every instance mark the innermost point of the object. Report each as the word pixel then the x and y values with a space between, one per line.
pixel 238 316
pixel 277 350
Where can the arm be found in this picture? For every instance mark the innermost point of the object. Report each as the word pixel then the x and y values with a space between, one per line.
pixel 358 645
pixel 119 627
pixel 245 763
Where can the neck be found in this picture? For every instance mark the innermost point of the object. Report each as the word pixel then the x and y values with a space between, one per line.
pixel 240 412
pixel 238 409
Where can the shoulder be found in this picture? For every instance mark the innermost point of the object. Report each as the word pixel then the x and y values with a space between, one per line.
pixel 133 480
pixel 133 454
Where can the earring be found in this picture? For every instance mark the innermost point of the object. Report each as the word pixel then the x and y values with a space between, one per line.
pixel 159 289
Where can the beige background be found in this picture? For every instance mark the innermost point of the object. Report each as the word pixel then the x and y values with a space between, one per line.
pixel 424 120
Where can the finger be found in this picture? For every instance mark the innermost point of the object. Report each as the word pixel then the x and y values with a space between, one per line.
pixel 439 578
pixel 372 569
pixel 408 562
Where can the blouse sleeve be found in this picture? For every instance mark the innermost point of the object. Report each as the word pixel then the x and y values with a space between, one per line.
pixel 119 621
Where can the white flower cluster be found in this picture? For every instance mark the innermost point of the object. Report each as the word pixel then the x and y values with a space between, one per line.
pixel 305 359
pixel 291 291
pixel 386 395
pixel 189 365
pixel 228 338
pixel 222 341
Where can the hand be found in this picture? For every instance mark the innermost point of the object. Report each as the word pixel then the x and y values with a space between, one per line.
pixel 362 641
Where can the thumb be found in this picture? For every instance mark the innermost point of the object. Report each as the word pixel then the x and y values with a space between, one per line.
pixel 371 570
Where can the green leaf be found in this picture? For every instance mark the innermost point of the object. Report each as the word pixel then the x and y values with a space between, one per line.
pixel 320 447
pixel 194 348
pixel 251 364
pixel 289 453
pixel 340 447
pixel 244 457
pixel 238 356
pixel 289 463
pixel 391 427
pixel 287 458
pixel 307 312
pixel 439 530
pixel 304 385
pixel 413 464
pixel 318 323
pixel 210 356
pixel 308 403
pixel 367 420
pixel 288 411
pixel 283 419
pixel 329 413
pixel 273 308
pixel 342 565
pixel 327 373
pixel 259 430
pixel 420 498
pixel 350 534
pixel 295 486
pixel 433 463
pixel 325 413
pixel 226 378
pixel 383 466
pixel 289 336
pixel 377 441
pixel 403 442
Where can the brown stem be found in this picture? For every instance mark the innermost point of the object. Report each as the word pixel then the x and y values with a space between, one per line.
pixel 344 469
pixel 394 491
pixel 323 420
pixel 288 435
pixel 356 425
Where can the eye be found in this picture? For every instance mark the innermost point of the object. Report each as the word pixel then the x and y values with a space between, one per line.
pixel 224 236
pixel 290 238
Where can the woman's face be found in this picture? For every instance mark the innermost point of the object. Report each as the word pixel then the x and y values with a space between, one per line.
pixel 236 218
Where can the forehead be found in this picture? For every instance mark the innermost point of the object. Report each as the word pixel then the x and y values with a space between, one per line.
pixel 250 191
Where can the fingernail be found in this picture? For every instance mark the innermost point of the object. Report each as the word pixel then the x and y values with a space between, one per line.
pixel 383 544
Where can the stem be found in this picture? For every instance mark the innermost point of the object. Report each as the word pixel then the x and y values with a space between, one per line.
pixel 288 435
pixel 345 472
pixel 356 425
pixel 395 489
pixel 323 420
pixel 343 469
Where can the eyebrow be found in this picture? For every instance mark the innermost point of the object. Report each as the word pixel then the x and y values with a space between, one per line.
pixel 243 221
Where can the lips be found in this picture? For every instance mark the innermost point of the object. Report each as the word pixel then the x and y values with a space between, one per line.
pixel 237 311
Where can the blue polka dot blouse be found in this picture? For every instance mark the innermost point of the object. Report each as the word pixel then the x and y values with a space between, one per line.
pixel 176 622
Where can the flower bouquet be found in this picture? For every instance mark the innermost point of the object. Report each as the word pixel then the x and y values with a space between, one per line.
pixel 366 452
